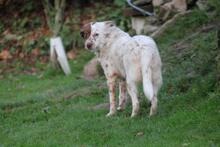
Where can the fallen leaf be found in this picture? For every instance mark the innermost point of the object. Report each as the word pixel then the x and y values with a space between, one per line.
pixel 140 134
pixel 71 54
pixel 21 55
pixel 185 144
pixel 5 54
pixel 35 52
pixel 6 32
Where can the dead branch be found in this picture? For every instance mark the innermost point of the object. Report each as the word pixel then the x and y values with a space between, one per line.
pixel 167 24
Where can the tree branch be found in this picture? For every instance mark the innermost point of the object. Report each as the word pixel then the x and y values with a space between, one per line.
pixel 167 24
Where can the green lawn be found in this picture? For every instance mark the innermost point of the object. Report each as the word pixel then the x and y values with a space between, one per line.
pixel 49 109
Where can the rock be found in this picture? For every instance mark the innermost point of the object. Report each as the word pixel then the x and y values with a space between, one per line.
pixel 202 4
pixel 165 12
pixel 176 5
pixel 144 25
pixel 157 3
pixel 180 5
pixel 168 10
pixel 138 24
pixel 90 70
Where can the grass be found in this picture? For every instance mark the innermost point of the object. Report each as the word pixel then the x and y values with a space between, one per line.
pixel 50 109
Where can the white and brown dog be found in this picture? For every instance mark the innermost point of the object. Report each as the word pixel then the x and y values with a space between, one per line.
pixel 130 59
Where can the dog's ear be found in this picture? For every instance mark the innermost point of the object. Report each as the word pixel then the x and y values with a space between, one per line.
pixel 110 23
pixel 85 31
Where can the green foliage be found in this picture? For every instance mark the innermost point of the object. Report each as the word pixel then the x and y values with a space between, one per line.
pixel 67 37
pixel 120 3
pixel 215 4
pixel 37 22
pixel 28 7
pixel 20 23
pixel 43 44
pixel 71 38
pixel 29 44
pixel 187 26
pixel 116 14
pixel 49 109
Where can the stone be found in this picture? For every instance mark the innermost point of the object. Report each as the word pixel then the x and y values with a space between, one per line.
pixel 144 25
pixel 90 70
pixel 169 9
pixel 202 4
pixel 137 24
pixel 157 3
pixel 176 5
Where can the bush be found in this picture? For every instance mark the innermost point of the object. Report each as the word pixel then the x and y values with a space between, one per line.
pixel 215 4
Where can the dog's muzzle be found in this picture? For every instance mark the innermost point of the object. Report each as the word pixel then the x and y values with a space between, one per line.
pixel 89 46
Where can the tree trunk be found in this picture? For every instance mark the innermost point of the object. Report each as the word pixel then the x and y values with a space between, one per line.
pixel 55 17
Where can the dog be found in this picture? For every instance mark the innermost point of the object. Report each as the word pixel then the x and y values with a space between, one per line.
pixel 130 59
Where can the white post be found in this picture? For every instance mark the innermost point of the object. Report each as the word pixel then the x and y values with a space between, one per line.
pixel 57 51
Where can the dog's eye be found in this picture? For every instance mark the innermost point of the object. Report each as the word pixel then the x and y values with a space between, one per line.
pixel 82 34
pixel 96 34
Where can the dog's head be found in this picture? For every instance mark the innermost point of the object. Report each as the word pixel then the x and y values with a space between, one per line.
pixel 95 34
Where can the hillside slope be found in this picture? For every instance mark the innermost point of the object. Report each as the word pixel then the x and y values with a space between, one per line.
pixel 53 110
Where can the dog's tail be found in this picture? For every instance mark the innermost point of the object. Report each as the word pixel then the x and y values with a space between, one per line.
pixel 151 71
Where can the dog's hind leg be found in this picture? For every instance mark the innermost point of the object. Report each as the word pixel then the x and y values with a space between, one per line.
pixel 149 91
pixel 157 82
pixel 122 95
pixel 132 90
pixel 148 81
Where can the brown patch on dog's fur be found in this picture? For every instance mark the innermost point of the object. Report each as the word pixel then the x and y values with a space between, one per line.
pixel 86 31
pixel 115 75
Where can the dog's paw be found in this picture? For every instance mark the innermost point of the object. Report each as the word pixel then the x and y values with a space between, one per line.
pixel 153 110
pixel 152 113
pixel 120 109
pixel 133 115
pixel 110 114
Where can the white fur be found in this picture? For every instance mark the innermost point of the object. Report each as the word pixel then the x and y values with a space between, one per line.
pixel 130 59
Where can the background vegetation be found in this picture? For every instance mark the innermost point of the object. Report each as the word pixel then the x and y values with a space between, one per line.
pixel 40 107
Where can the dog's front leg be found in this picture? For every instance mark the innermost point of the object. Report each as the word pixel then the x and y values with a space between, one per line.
pixel 111 85
pixel 122 95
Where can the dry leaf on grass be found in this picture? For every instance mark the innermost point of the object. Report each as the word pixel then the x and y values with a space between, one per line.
pixel 71 55
pixel 5 54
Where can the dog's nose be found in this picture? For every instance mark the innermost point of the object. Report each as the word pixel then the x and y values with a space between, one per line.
pixel 89 45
